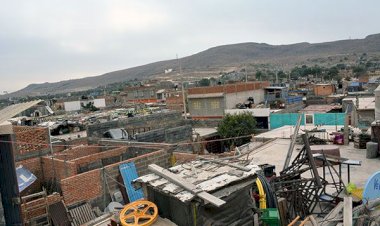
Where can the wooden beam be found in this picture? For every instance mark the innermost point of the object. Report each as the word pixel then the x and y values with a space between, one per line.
pixel 347 211
pixel 186 185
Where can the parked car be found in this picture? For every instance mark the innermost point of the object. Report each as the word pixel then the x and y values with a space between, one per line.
pixel 118 134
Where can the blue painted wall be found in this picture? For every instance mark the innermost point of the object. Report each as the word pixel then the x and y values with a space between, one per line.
pixel 278 120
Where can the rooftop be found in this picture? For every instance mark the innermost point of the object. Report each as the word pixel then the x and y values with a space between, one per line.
pixel 320 108
pixel 365 103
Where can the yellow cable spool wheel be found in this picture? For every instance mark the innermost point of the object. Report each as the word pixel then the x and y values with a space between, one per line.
pixel 139 213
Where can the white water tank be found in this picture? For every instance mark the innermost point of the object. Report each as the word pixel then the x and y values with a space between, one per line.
pixel 377 103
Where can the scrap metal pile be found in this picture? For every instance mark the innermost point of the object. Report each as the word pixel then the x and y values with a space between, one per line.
pixel 301 193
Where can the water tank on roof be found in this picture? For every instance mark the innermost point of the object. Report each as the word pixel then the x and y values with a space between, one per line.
pixel 372 150
pixel 377 103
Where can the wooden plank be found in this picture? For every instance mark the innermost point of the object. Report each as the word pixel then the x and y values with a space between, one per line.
pixel 347 211
pixel 332 214
pixel 175 179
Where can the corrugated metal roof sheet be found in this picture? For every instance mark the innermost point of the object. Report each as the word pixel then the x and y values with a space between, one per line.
pixel 16 109
pixel 207 176
pixel 129 173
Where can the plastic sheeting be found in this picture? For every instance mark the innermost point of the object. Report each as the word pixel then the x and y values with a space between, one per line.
pixel 24 178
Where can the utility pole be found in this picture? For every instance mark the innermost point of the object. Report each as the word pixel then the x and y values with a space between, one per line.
pixel 183 88
pixel 246 74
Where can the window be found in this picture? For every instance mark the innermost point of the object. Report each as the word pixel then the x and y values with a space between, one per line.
pixel 136 93
pixel 215 104
pixel 152 93
pixel 196 104
pixel 309 119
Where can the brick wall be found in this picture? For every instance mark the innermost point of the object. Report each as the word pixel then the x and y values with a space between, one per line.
pixel 77 152
pixel 31 139
pixel 153 121
pixel 36 207
pixel 34 166
pixel 89 186
pixel 83 187
pixel 229 88
pixel 57 168
pixel 99 156
pixel 175 103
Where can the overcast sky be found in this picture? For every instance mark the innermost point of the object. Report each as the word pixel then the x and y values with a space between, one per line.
pixel 49 40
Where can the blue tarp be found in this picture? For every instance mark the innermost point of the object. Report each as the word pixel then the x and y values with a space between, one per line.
pixel 129 173
pixel 24 178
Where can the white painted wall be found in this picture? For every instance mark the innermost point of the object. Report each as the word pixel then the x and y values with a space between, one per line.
pixel 257 112
pixel 72 105
pixel 100 103
pixel 234 98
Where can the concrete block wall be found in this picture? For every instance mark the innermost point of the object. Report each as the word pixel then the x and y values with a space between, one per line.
pixel 207 123
pixel 153 121
pixel 90 186
pixel 170 135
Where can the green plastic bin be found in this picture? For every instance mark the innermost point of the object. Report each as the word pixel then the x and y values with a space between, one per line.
pixel 270 217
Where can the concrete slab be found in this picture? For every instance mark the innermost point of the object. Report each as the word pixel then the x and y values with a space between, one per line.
pixel 287 131
pixel 204 132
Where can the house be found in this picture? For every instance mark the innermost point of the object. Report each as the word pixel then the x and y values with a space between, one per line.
pixel 211 102
pixel 278 97
pixel 260 114
pixel 361 109
pixel 25 113
pixel 140 94
pixel 355 87
pixel 324 89
pixel 78 105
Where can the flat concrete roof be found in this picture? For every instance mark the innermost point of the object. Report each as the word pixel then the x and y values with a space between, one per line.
pixel 286 131
pixel 204 132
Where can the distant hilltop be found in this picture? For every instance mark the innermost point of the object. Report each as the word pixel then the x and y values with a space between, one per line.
pixel 214 60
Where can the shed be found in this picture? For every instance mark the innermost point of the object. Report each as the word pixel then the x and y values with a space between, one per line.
pixel 225 182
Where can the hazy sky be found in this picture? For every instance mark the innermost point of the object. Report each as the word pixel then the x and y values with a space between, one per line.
pixel 49 40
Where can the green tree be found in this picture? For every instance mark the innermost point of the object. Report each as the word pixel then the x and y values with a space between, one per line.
pixel 236 126
pixel 204 82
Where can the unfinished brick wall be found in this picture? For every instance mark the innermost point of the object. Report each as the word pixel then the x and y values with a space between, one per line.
pixel 36 208
pixel 57 168
pixel 77 152
pixel 31 139
pixel 89 186
pixel 99 156
pixel 229 88
pixel 83 187
pixel 34 166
